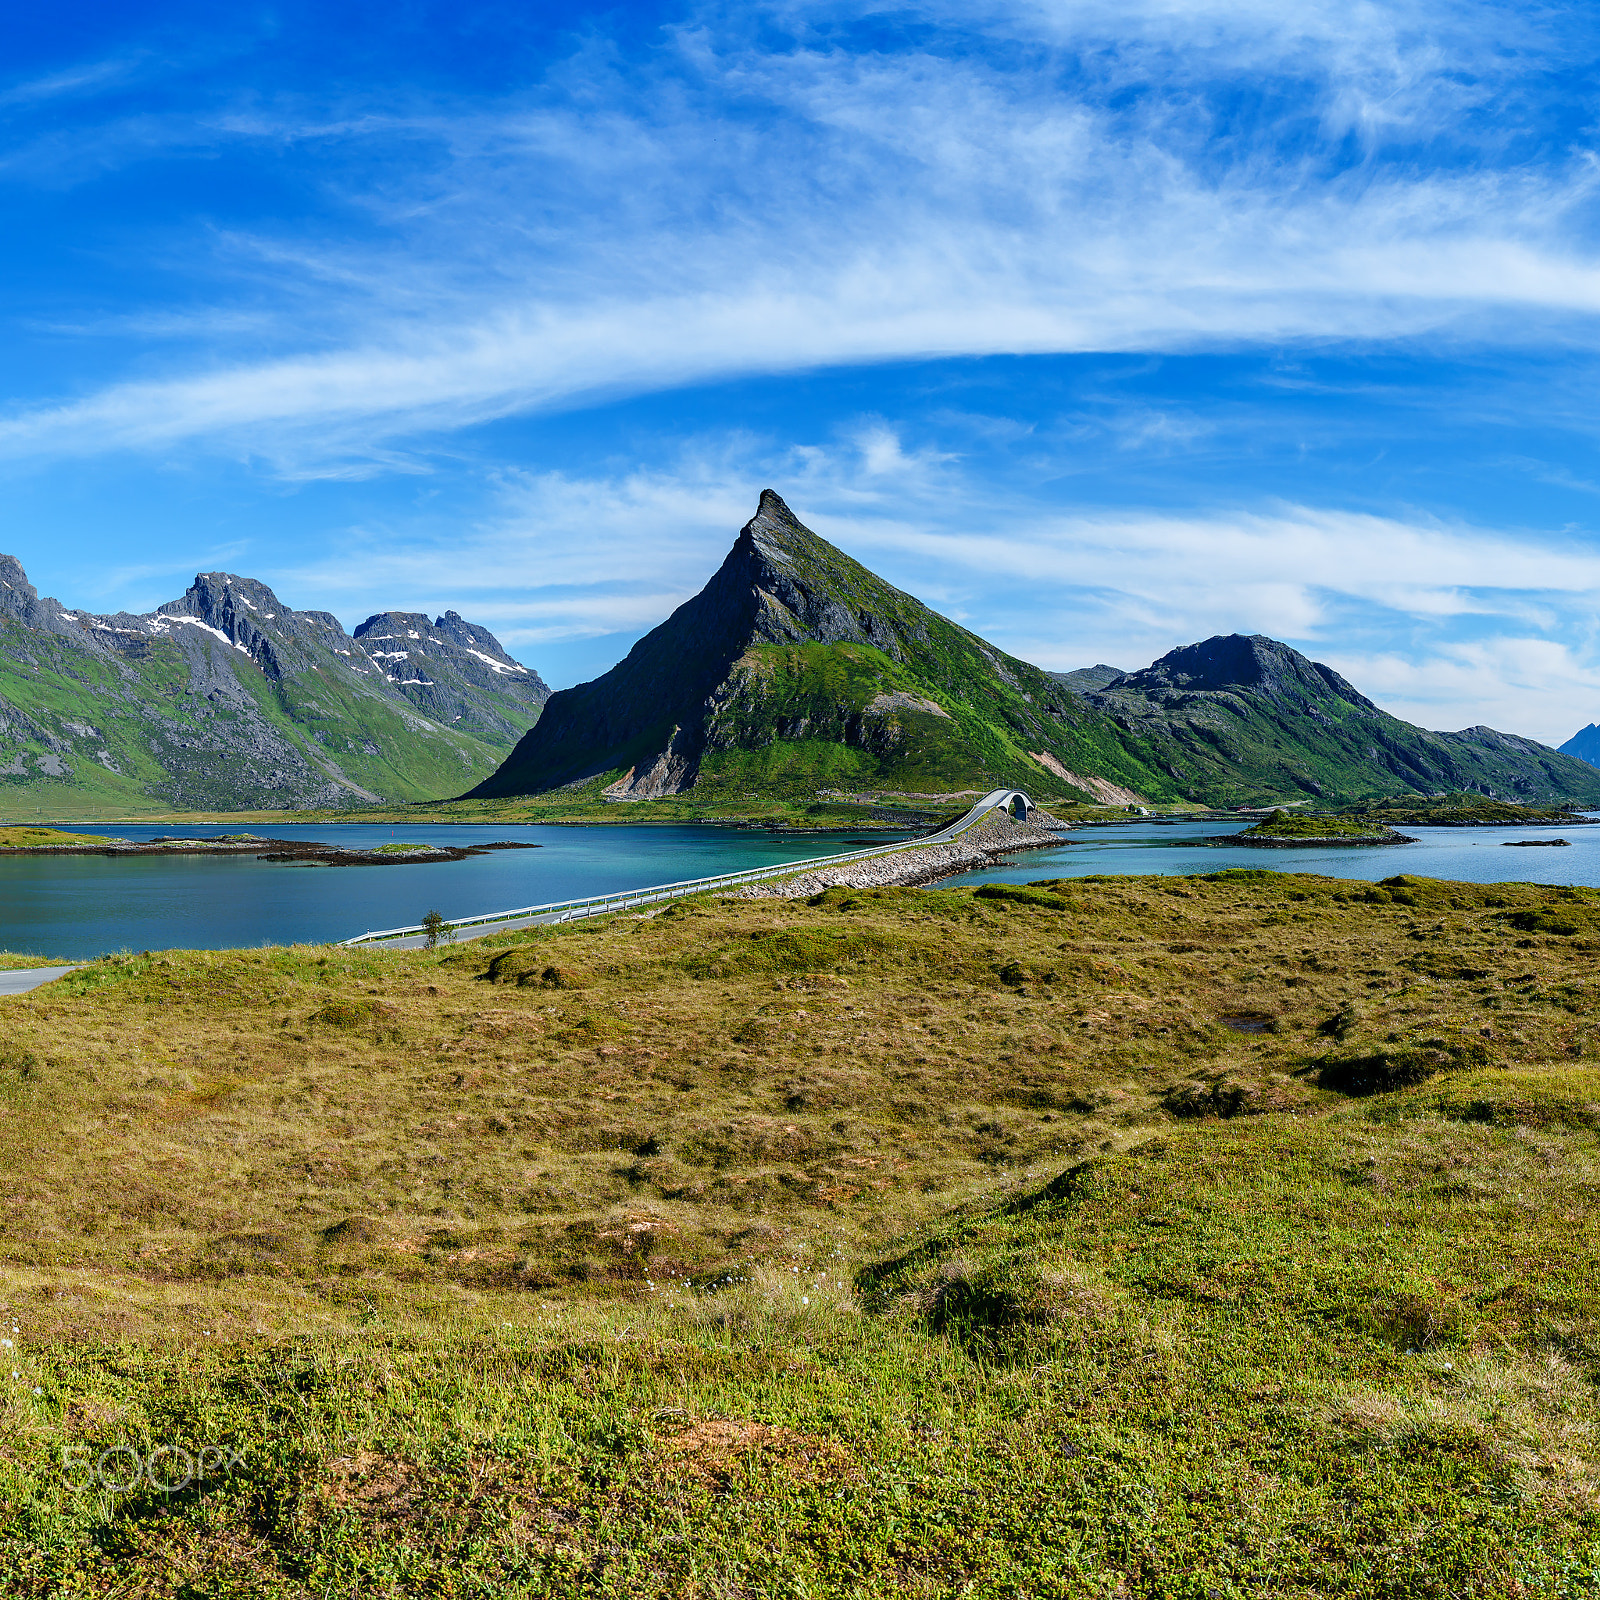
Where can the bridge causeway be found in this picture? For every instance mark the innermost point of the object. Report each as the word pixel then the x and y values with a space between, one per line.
pixel 1013 801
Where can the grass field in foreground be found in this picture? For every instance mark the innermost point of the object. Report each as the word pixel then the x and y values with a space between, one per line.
pixel 1229 1235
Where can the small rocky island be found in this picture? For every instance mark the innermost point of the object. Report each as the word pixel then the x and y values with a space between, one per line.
pixel 304 852
pixel 1286 830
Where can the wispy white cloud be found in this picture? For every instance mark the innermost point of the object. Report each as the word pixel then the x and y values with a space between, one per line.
pixel 734 208
pixel 1499 622
pixel 88 77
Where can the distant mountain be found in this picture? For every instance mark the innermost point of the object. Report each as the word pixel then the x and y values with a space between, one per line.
pixel 456 673
pixel 1585 745
pixel 1082 679
pixel 227 698
pixel 1235 718
pixel 797 670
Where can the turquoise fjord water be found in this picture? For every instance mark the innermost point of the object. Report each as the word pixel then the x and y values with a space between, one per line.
pixel 1471 855
pixel 82 906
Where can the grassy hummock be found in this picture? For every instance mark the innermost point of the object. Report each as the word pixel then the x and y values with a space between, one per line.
pixel 1151 1237
pixel 25 838
pixel 1292 826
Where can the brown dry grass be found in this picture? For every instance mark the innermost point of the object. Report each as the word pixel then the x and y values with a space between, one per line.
pixel 725 1082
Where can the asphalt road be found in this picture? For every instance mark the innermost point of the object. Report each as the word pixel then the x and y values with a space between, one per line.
pixel 27 978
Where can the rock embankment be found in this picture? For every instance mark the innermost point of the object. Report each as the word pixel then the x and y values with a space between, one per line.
pixel 997 834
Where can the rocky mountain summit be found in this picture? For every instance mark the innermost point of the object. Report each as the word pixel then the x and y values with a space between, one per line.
pixel 1585 745
pixel 455 672
pixel 1234 714
pixel 228 698
pixel 796 670
pixel 795 667
pixel 1082 679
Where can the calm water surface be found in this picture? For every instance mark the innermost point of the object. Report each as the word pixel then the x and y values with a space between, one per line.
pixel 1473 855
pixel 81 906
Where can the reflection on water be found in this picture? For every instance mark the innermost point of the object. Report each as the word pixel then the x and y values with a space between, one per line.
pixel 1473 855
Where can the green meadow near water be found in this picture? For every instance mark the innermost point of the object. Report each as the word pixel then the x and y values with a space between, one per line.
pixel 1222 1234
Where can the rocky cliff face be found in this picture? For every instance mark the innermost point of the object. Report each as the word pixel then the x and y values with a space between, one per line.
pixel 1585 745
pixel 455 672
pixel 223 698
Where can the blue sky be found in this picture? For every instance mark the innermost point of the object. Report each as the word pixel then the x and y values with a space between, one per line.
pixel 1103 327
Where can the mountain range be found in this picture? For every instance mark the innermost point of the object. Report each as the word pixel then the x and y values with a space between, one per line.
pixel 1585 745
pixel 797 670
pixel 227 698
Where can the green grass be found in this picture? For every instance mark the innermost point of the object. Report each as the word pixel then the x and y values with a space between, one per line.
pixel 1293 825
pixel 25 838
pixel 1462 810
pixel 1010 1241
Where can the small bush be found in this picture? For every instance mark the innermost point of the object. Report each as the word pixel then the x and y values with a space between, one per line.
pixel 1549 919
pixel 1398 1066
pixel 532 968
pixel 553 977
pixel 347 1013
pixel 1023 895
pixel 1229 1096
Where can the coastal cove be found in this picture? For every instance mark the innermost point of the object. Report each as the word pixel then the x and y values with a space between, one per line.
pixel 79 906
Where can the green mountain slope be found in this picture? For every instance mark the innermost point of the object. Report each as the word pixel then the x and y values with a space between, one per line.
pixel 223 699
pixel 1237 720
pixel 796 669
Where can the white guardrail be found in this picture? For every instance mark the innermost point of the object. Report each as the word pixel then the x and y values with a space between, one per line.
pixel 603 904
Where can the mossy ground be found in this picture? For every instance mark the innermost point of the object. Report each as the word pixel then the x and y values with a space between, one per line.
pixel 1296 825
pixel 1002 1241
pixel 25 838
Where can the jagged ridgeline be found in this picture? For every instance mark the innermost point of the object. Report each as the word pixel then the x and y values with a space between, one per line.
pixel 227 698
pixel 796 669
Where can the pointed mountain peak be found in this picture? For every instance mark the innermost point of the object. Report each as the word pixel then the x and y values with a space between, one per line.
pixel 779 535
pixel 215 596
pixel 17 595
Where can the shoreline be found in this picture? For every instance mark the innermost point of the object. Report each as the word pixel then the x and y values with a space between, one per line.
pixel 918 866
pixel 305 851
pixel 1318 843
